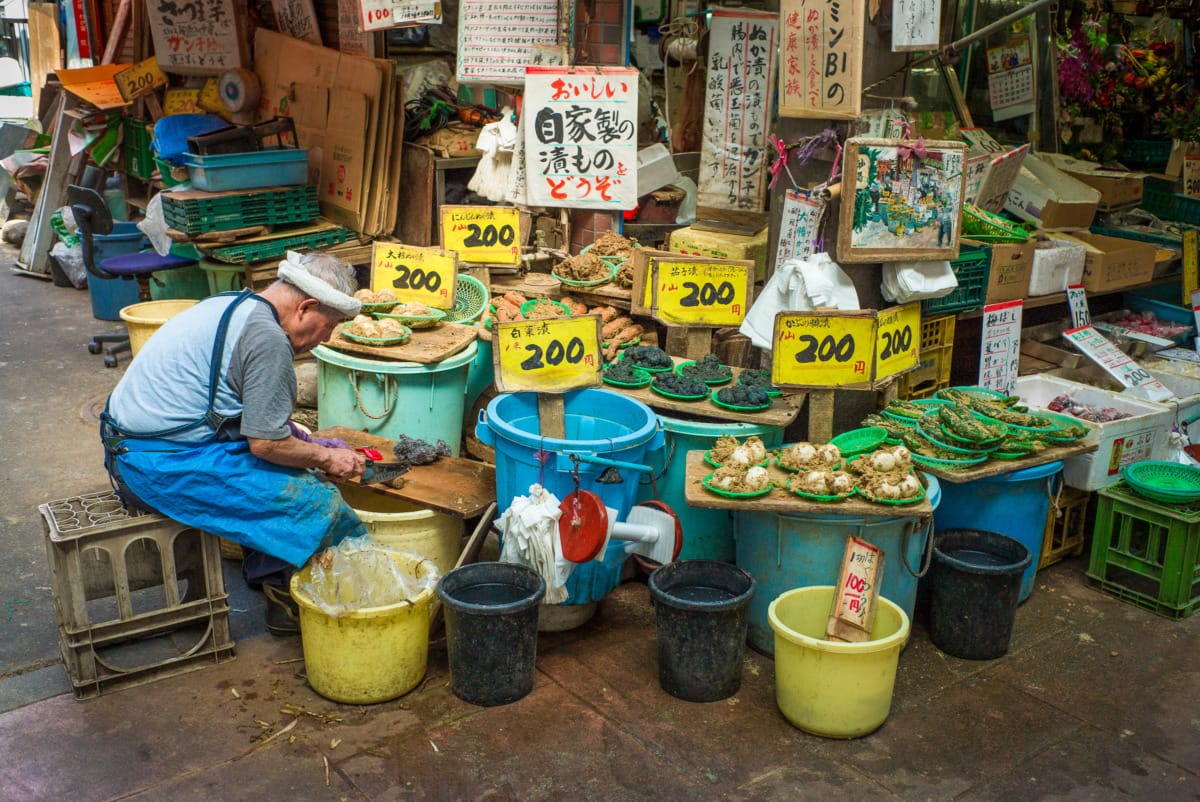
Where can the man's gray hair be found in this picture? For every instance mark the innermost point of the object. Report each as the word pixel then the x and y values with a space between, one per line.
pixel 328 269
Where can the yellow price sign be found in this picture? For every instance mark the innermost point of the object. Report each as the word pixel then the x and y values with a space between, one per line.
pixel 823 349
pixel 548 356
pixel 425 275
pixel 1190 279
pixel 140 79
pixel 898 340
pixel 701 293
pixel 483 234
pixel 182 101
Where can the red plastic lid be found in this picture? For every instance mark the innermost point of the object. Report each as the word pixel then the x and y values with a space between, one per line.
pixel 650 565
pixel 583 526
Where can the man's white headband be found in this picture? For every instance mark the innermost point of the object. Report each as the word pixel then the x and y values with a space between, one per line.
pixel 293 272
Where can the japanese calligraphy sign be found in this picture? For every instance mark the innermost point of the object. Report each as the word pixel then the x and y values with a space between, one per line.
pixel 1117 363
pixel 298 19
pixel 140 79
pixel 581 137
pixel 548 356
pixel 497 38
pixel 821 58
pixel 195 37
pixel 797 225
pixel 998 181
pixel 425 275
pixel 916 24
pixel 737 110
pixel 856 592
pixel 1077 303
pixel 901 200
pixel 712 293
pixel 351 39
pixel 483 234
pixel 1000 346
pixel 376 15
pixel 854 348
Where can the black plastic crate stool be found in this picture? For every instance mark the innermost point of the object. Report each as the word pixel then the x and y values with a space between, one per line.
pixel 137 596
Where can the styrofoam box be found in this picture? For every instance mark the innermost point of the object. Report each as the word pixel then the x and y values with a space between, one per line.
pixel 1183 380
pixel 1056 268
pixel 1122 442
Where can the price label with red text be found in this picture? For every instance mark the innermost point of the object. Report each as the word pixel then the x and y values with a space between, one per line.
pixel 1117 363
pixel 823 349
pixel 483 234
pixel 701 293
pixel 548 356
pixel 424 275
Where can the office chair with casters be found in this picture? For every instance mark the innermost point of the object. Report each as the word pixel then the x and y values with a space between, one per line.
pixel 94 219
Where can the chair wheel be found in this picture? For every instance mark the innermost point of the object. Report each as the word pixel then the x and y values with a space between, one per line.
pixel 94 348
pixel 110 361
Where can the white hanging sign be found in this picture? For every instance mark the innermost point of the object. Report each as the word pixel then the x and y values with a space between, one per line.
pixel 1077 300
pixel 1117 363
pixel 797 225
pixel 915 24
pixel 377 15
pixel 497 39
pixel 1000 346
pixel 581 137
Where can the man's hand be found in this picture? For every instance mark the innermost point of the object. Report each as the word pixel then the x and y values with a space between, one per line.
pixel 292 452
pixel 343 464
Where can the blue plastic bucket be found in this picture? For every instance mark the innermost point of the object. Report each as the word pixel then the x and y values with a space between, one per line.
pixel 1013 504
pixel 600 425
pixel 111 295
pixel 393 398
pixel 707 534
pixel 784 551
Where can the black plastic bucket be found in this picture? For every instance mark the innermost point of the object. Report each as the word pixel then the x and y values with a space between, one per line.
pixel 702 613
pixel 975 586
pixel 491 630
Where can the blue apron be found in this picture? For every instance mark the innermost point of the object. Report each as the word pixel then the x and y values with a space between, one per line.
pixel 220 487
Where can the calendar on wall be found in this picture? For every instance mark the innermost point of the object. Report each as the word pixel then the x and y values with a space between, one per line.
pixel 1010 79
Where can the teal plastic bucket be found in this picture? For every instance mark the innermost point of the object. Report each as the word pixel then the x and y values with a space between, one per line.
pixel 783 551
pixel 181 283
pixel 393 398
pixel 481 374
pixel 601 427
pixel 707 534
pixel 110 296
pixel 1013 504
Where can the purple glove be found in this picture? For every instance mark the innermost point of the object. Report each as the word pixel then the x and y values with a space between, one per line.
pixel 327 442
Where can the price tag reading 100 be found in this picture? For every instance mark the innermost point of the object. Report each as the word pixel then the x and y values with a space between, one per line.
pixel 812 349
pixel 552 355
pixel 425 275
pixel 701 294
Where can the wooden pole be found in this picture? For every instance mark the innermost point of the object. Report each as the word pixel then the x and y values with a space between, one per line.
pixel 551 416
pixel 820 415
pixel 116 36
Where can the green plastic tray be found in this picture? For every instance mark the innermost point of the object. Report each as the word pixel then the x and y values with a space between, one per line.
pixel 647 378
pixel 381 341
pixel 737 408
pixel 278 247
pixel 528 306
pixel 379 308
pixel 729 494
pixel 947 464
pixel 676 396
pixel 815 497
pixel 1168 482
pixel 571 282
pixel 276 206
pixel 923 430
pixel 416 321
pixel 716 464
pixel 710 382
pixel 774 392
pixel 859 441
pixel 892 502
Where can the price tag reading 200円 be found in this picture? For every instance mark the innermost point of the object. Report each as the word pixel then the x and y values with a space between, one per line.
pixel 823 350
pixel 548 356
pixel 425 275
pixel 700 293
pixel 483 234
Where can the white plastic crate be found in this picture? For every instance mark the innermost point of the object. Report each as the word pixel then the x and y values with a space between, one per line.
pixel 1122 442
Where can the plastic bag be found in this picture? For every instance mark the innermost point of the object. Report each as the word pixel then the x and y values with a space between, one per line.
pixel 798 285
pixel 687 209
pixel 70 259
pixel 914 281
pixel 154 226
pixel 363 574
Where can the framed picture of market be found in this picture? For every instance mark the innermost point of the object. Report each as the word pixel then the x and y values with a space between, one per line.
pixel 901 200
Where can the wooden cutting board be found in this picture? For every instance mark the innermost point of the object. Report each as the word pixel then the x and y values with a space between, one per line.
pixel 426 346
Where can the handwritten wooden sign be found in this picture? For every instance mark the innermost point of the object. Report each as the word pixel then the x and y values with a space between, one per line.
pixel 1000 346
pixel 377 15
pixel 821 58
pixel 548 356
pixel 1001 174
pixel 351 39
pixel 916 24
pixel 200 37
pixel 424 275
pixel 140 79
pixel 737 110
pixel 581 137
pixel 797 226
pixel 497 38
pixel 482 234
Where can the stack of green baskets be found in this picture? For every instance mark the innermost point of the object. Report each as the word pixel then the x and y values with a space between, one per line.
pixel 1167 482
pixel 982 225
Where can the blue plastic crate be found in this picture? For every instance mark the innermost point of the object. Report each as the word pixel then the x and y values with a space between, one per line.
pixel 251 170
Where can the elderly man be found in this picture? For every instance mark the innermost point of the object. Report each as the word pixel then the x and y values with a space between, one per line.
pixel 198 428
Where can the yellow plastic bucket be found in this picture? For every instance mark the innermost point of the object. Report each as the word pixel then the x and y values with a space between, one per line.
pixel 828 688
pixel 407 527
pixel 143 319
pixel 370 655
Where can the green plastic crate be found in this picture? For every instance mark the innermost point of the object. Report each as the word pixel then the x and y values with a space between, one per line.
pixel 1143 154
pixel 1146 553
pixel 1168 205
pixel 971 268
pixel 279 246
pixel 271 207
pixel 139 160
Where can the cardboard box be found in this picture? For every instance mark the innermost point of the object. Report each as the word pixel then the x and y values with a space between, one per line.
pixel 722 246
pixel 1113 263
pixel 1008 277
pixel 1046 195
pixel 453 142
pixel 1118 188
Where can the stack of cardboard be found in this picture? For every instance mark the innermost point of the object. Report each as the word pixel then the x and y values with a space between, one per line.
pixel 349 113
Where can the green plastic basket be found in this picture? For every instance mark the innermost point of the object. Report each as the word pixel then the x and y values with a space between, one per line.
pixel 736 407
pixel 470 300
pixel 982 225
pixel 380 341
pixel 971 269
pixel 139 160
pixel 529 305
pixel 730 494
pixel 710 382
pixel 947 464
pixel 675 396
pixel 275 207
pixel 416 321
pixel 378 308
pixel 816 497
pixel 1160 199
pixel 571 282
pixel 859 441
pixel 708 458
pixel 930 429
pixel 1168 482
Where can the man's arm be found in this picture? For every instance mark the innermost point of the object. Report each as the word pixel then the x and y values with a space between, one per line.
pixel 290 452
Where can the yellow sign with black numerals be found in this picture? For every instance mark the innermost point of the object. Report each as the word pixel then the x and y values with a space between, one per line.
pixel 140 79
pixel 1190 279
pixel 548 356
pixel 852 349
pixel 483 234
pixel 423 275
pixel 697 291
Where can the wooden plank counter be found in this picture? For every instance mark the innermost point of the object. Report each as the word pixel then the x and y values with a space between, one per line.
pixel 780 499
pixel 460 487
pixel 782 412
pixel 999 467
